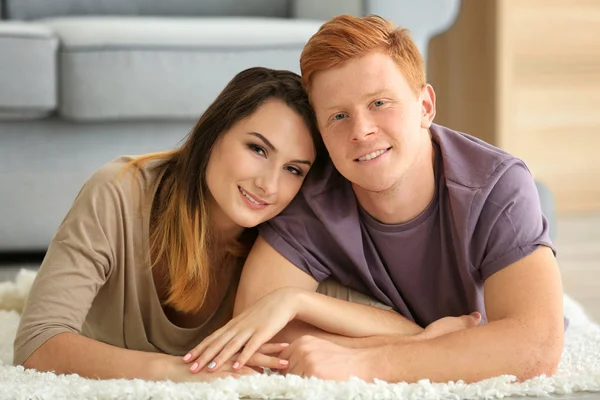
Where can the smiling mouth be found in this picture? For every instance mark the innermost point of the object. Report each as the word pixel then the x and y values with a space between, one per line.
pixel 372 156
pixel 252 198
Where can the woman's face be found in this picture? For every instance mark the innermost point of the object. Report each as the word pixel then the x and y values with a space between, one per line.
pixel 258 166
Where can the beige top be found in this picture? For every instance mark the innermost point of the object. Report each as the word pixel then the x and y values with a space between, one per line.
pixel 96 280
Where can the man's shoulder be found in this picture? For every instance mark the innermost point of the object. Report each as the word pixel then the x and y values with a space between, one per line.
pixel 324 196
pixel 469 162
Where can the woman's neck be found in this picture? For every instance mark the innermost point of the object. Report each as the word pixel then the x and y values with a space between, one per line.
pixel 223 228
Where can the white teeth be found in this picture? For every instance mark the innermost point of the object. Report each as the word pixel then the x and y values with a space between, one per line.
pixel 372 155
pixel 249 197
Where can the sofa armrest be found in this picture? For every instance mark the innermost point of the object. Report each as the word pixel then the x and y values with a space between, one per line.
pixel 28 69
pixel 424 18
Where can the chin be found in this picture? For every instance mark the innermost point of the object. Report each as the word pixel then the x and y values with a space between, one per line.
pixel 379 186
pixel 249 221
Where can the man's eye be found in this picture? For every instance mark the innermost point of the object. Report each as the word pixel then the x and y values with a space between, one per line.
pixel 378 103
pixel 339 116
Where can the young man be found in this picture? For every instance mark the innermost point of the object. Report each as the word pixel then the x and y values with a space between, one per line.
pixel 429 221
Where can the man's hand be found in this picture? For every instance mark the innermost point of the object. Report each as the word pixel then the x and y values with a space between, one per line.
pixel 446 325
pixel 311 356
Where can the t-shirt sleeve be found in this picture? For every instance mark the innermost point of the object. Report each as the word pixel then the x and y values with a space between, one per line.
pixel 511 224
pixel 77 263
pixel 295 234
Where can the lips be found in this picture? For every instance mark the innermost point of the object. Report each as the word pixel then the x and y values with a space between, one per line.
pixel 372 155
pixel 256 200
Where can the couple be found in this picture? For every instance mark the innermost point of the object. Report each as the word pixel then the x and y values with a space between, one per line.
pixel 409 251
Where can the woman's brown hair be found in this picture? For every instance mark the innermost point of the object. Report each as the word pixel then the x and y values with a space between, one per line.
pixel 181 240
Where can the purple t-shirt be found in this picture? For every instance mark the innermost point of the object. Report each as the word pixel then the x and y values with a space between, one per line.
pixel 484 216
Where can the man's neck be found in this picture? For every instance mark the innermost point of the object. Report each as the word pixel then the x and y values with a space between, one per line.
pixel 408 198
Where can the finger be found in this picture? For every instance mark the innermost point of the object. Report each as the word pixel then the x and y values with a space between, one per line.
pixel 251 347
pixel 248 371
pixel 272 348
pixel 193 354
pixel 211 351
pixel 475 319
pixel 234 346
pixel 288 351
pixel 264 361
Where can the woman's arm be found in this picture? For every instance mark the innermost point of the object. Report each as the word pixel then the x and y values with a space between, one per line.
pixel 272 293
pixel 340 316
pixel 266 271
pixel 68 353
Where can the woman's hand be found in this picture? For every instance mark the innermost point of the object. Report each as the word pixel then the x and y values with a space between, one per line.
pixel 173 369
pixel 250 330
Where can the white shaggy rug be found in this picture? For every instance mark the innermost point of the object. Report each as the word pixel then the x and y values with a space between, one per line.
pixel 579 371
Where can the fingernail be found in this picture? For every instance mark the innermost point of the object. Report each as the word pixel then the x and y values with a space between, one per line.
pixel 187 357
pixel 476 314
pixel 284 362
pixel 236 365
pixel 194 367
pixel 211 365
pixel 285 344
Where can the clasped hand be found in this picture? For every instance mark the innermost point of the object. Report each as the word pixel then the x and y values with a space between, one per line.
pixel 248 332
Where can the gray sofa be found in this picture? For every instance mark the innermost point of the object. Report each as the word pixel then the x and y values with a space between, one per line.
pixel 83 81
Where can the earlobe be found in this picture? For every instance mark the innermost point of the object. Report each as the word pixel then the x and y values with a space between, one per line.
pixel 427 106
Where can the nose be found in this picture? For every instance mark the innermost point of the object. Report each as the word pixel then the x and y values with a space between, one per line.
pixel 362 127
pixel 268 181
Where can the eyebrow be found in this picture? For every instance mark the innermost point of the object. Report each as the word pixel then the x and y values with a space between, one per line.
pixel 375 93
pixel 274 149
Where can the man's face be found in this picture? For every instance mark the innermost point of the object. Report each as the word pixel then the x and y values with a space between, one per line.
pixel 372 122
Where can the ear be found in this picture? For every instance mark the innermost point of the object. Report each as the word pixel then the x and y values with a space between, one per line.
pixel 427 98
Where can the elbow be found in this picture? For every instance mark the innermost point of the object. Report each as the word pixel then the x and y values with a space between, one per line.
pixel 29 363
pixel 543 359
pixel 33 361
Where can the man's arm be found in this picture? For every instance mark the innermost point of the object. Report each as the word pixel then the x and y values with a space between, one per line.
pixel 266 270
pixel 524 336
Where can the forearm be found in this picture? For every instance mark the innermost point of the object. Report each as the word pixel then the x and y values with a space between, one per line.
pixel 502 347
pixel 71 353
pixel 296 329
pixel 342 317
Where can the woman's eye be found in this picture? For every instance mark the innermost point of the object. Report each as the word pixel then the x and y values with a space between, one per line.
pixel 339 117
pixel 294 170
pixel 258 150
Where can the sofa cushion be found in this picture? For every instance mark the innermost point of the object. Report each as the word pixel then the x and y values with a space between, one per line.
pixel 27 70
pixel 32 9
pixel 132 68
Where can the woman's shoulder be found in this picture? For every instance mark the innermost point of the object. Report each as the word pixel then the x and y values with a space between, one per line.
pixel 122 181
pixel 124 174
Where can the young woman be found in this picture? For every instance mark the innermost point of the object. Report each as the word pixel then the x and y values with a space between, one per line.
pixel 146 263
